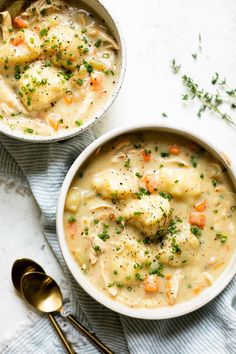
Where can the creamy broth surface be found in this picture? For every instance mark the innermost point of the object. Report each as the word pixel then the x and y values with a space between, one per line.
pixel 58 66
pixel 150 219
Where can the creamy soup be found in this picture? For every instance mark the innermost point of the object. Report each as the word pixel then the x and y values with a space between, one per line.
pixel 151 219
pixel 58 66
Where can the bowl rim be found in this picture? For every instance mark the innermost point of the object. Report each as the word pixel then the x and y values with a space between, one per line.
pixel 153 313
pixel 98 115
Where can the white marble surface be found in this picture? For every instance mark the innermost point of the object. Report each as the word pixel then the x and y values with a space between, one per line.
pixel 155 32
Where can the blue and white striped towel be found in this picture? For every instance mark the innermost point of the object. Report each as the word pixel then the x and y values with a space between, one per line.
pixel 210 330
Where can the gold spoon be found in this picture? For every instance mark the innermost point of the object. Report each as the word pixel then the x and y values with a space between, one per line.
pixel 23 266
pixel 44 294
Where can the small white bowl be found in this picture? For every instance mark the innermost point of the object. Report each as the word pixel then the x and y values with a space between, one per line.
pixel 151 314
pixel 112 24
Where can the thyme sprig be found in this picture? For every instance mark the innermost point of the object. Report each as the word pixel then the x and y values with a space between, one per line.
pixel 209 101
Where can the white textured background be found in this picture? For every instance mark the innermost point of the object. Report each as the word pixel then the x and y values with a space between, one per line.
pixel 155 31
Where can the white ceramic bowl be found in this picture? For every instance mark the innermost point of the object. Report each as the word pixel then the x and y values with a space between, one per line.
pixel 158 313
pixel 113 26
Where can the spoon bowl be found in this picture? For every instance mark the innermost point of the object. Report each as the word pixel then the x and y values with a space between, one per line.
pixel 21 267
pixel 41 292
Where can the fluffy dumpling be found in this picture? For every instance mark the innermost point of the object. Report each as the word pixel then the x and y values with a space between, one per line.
pixel 179 182
pixel 114 185
pixel 148 214
pixel 21 48
pixel 41 86
pixel 65 47
pixel 180 245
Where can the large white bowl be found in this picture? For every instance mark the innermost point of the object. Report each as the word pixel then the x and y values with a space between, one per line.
pixel 158 313
pixel 113 26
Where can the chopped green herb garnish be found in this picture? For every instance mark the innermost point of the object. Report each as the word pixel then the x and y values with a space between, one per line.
pixel 164 154
pixel 222 237
pixel 193 161
pixel 138 174
pixel 95 221
pixel 43 32
pixel 84 30
pixel 137 145
pixel 166 195
pixel 28 130
pixel 214 182
pixel 142 192
pixel 156 269
pixel 71 218
pixel 175 67
pixel 196 231
pixel 97 248
pixel 80 81
pixel 127 163
pixel 137 213
pixel 86 231
pixel 98 43
pixel 88 67
pixel 78 123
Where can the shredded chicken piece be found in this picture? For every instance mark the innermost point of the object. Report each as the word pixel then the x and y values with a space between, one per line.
pixel 96 32
pixel 208 277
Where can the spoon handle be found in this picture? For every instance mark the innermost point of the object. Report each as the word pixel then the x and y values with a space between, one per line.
pixel 101 347
pixel 67 345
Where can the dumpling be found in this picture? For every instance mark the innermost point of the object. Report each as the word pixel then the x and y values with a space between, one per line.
pixel 179 248
pixel 22 48
pixel 148 214
pixel 41 86
pixel 114 185
pixel 179 182
pixel 65 47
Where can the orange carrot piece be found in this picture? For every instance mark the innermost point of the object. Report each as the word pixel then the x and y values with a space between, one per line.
pixel 17 41
pixel 198 219
pixel 198 289
pixel 151 284
pixel 168 276
pixel 96 83
pixel 200 206
pixel 151 182
pixel 20 23
pixel 146 155
pixel 68 99
pixel 72 229
pixel 54 123
pixel 174 149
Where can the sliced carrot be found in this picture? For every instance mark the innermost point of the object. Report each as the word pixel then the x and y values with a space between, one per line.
pixel 68 99
pixel 198 219
pixel 151 182
pixel 168 276
pixel 174 149
pixel 151 283
pixel 146 155
pixel 54 123
pixel 17 41
pixel 18 22
pixel 198 289
pixel 72 228
pixel 200 206
pixel 96 83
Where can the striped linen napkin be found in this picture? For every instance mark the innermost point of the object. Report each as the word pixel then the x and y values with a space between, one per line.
pixel 210 330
